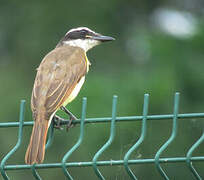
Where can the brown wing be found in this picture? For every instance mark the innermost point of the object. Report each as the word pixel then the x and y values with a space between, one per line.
pixel 57 75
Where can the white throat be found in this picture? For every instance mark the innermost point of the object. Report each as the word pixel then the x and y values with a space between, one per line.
pixel 85 44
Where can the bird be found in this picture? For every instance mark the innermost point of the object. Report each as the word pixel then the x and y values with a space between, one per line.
pixel 58 81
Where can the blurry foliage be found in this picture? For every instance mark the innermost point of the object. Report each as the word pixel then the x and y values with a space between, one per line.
pixel 141 60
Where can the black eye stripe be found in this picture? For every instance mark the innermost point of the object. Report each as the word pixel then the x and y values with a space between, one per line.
pixel 78 34
pixel 83 31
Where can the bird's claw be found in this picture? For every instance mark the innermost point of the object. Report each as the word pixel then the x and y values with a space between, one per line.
pixel 58 122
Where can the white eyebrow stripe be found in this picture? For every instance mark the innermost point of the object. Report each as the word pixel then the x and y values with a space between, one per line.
pixel 80 28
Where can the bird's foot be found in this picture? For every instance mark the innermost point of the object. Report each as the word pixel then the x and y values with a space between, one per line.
pixel 58 122
pixel 71 116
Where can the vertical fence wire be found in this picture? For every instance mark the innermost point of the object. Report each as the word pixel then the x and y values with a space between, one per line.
pixel 20 133
pixel 140 140
pixel 94 163
pixel 189 156
pixel 68 154
pixel 108 143
pixel 172 137
pixel 35 173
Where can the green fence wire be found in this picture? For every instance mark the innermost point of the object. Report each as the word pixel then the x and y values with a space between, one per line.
pixel 95 163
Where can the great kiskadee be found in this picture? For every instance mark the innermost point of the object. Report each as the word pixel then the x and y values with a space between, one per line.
pixel 59 79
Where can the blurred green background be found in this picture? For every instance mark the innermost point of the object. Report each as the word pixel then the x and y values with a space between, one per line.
pixel 158 50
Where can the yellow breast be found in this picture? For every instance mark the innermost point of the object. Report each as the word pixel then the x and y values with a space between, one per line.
pixel 77 88
pixel 87 64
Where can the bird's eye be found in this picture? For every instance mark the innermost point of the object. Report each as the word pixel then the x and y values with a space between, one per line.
pixel 83 31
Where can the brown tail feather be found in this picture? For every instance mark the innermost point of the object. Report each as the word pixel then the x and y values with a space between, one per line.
pixel 36 148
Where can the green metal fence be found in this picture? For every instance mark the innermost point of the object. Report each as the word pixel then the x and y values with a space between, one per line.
pixel 126 161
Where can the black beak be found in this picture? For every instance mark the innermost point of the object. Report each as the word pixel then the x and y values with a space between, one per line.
pixel 102 38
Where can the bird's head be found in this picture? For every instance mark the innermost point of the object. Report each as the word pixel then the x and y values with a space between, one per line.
pixel 84 38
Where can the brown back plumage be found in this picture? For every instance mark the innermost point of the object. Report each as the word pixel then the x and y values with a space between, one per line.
pixel 57 75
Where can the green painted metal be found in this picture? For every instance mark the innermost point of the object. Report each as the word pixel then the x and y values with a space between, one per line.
pixel 20 133
pixel 189 157
pixel 103 163
pixel 95 163
pixel 118 119
pixel 168 142
pixel 108 143
pixel 68 154
pixel 140 140
pixel 35 173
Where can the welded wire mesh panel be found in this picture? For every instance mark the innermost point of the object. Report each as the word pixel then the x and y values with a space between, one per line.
pixel 126 162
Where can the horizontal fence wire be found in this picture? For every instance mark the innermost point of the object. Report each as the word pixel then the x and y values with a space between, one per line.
pixel 95 163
